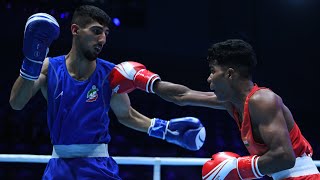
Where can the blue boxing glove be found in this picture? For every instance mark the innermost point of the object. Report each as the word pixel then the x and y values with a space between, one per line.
pixel 187 132
pixel 40 30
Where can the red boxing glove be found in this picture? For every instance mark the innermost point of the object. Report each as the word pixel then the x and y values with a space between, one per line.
pixel 127 76
pixel 144 80
pixel 229 166
pixel 122 75
pixel 221 165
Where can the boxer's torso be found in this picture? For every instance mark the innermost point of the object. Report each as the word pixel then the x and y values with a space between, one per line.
pixel 77 110
pixel 250 134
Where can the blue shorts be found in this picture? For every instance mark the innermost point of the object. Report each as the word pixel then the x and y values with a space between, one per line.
pixel 81 168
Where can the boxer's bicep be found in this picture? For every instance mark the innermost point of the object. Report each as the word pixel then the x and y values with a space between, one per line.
pixel 120 105
pixel 268 119
pixel 267 116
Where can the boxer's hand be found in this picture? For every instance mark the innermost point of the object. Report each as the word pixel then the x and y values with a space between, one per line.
pixel 187 132
pixel 230 166
pixel 127 76
pixel 40 30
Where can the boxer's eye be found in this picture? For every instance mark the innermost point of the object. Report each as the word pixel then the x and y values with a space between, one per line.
pixel 97 31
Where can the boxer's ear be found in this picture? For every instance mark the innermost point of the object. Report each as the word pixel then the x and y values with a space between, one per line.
pixel 230 72
pixel 75 29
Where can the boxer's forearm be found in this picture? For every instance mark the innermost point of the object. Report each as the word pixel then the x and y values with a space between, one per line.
pixel 135 120
pixel 171 92
pixel 184 96
pixel 21 93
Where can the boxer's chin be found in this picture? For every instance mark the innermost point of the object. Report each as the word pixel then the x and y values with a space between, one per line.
pixel 91 56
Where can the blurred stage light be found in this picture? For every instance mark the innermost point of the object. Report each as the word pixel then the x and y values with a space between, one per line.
pixel 126 14
pixel 116 21
pixel 8 5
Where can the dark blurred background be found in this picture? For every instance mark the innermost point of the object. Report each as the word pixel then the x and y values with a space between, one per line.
pixel 171 38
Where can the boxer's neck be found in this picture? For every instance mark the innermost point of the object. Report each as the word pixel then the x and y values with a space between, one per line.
pixel 241 91
pixel 78 67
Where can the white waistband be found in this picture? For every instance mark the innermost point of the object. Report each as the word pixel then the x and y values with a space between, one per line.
pixel 80 150
pixel 303 166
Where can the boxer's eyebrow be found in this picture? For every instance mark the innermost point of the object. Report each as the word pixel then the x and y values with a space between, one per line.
pixel 101 29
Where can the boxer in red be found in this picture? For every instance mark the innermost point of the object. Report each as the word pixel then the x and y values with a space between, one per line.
pixel 275 143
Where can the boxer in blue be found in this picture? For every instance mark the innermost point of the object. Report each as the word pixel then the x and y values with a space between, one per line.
pixel 78 93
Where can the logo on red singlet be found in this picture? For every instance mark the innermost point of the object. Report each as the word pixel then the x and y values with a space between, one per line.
pixel 245 142
pixel 92 94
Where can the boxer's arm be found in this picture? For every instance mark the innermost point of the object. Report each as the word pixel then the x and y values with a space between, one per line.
pixel 23 89
pixel 183 96
pixel 40 30
pixel 126 115
pixel 267 114
pixel 187 132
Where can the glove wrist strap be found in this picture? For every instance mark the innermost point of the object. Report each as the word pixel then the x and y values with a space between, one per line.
pixel 158 128
pixel 144 79
pixel 30 69
pixel 247 167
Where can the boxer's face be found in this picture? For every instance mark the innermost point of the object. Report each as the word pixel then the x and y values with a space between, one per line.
pixel 92 39
pixel 218 81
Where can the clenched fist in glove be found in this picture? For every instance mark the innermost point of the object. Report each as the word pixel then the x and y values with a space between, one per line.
pixel 127 76
pixel 187 132
pixel 230 166
pixel 40 30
